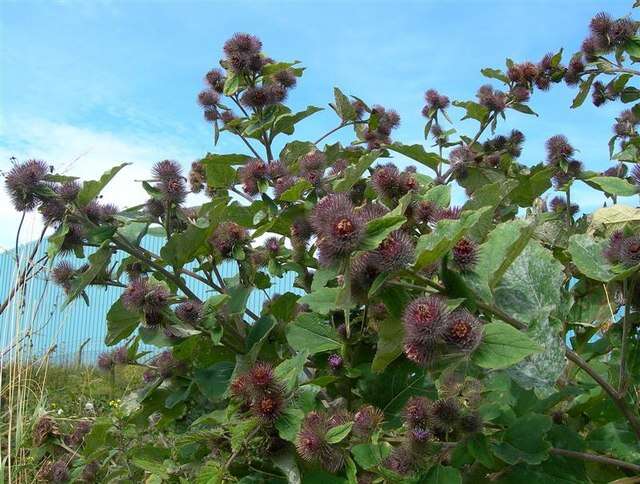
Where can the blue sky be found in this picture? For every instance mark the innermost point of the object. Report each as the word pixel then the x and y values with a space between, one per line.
pixel 86 85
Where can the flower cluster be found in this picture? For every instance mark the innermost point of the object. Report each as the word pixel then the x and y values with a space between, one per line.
pixel 623 249
pixel 164 366
pixel 434 102
pixel 169 182
pixel 109 359
pixel 391 184
pixel 386 121
pixel 260 392
pixel 312 444
pixel 560 156
pixel 148 297
pixel 429 324
pixel 227 237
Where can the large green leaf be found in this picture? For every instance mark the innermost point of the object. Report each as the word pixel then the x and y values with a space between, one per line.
pixel 524 440
pixel 92 188
pixel 389 347
pixel 378 229
pixel 612 185
pixel 587 255
pixel 311 333
pixel 440 474
pixel 182 247
pixel 214 380
pixel 322 300
pixel 502 346
pixel 353 173
pixel 120 323
pixel 370 455
pixel 343 106
pixel 417 152
pixel 97 264
pixel 285 123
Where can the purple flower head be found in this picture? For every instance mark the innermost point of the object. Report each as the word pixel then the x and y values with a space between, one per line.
pixel 286 78
pixel 424 211
pixel 257 97
pixel 90 472
pixel 364 270
pixel 312 446
pixel 338 167
pixel 419 435
pixel 166 170
pixel 63 273
pixel 272 245
pixel 612 251
pixel 360 108
pixel 189 311
pixel 417 412
pixel 558 149
pixel 251 174
pixel 601 24
pixel 435 100
pixel 261 375
pixel 59 472
pixel 425 319
pixel 208 98
pixel 226 237
pixel 335 362
pixel 215 78
pixel 301 230
pixel 395 252
pixel 465 254
pixel 386 181
pixel 520 94
pixel 52 210
pixel 173 190
pixel 166 364
pixel 630 251
pixel 338 226
pixel 105 361
pixel 371 211
pixel 446 411
pixel 574 70
pixel 366 420
pixel 24 181
pixel 283 183
pixel 277 169
pixel 76 438
pixel 243 53
pixel 68 191
pixel 268 407
pixel 120 355
pixel 143 295
pixel 463 331
pixel 450 213
pixel 491 99
pixel 314 160
pixel 44 428
pixel 276 93
pixel 400 461
pixel 154 207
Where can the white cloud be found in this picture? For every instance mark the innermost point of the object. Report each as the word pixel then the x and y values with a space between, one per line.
pixel 82 152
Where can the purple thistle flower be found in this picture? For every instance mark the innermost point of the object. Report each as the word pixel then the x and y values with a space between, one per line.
pixel 228 117
pixel 395 252
pixel 215 78
pixel 301 230
pixel 364 270
pixel 314 160
pixel 76 438
pixel 268 407
pixel 435 100
pixel 421 353
pixel 335 362
pixel 464 330
pixel 272 245
pixel 243 53
pixel 276 93
pixel 425 210
pixel 558 149
pixel 520 94
pixel 366 420
pixel 23 182
pixel 90 472
pixel 360 108
pixel 166 364
pixel 173 190
pixel 312 446
pixel 68 191
pixel 52 210
pixel 601 24
pixel 465 254
pixel 574 71
pixel 372 211
pixel 59 472
pixel 226 237
pixel 142 295
pixel 400 461
pixel 62 274
pixel 120 355
pixel 417 412
pixel 630 251
pixel 612 251
pixel 286 78
pixel 251 174
pixel 189 311
pixel 256 97
pixel 425 319
pixel 261 375
pixel 446 411
pixel 491 99
pixel 154 207
pixel 386 181
pixel 105 361
pixel 420 436
pixel 338 226
pixel 166 170
pixel 208 98
pixel 451 213
pixel 282 184
pixel 44 428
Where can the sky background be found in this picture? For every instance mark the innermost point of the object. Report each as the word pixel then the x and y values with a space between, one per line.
pixel 86 85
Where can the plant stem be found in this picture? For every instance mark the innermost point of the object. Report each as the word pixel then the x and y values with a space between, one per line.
pixel 237 451
pixel 600 459
pixel 622 380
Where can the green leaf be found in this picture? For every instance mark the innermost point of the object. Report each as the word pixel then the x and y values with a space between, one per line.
pixel 182 247
pixel 56 240
pixel 474 110
pixel 478 447
pixel 338 433
pixel 495 74
pixel 228 159
pixel 440 195
pixel 322 300
pixel 502 346
pixel 311 333
pixel 532 183
pixel 615 217
pixel 238 297
pixel 92 188
pixel 417 152
pixel 120 323
pixel 389 347
pixel 285 123
pixel 231 83
pixel 370 455
pixel 612 185
pixel 440 474
pixel 378 229
pixel 220 175
pixel 345 109
pixel 288 424
pixel 295 150
pixel 289 370
pixel 524 440
pixel 431 247
pixel 211 473
pixel 523 108
pixel 585 86
pixel 214 380
pixel 587 255
pixel 286 462
pixel 294 193
pixel 353 173
pixel 259 332
pixel 97 264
